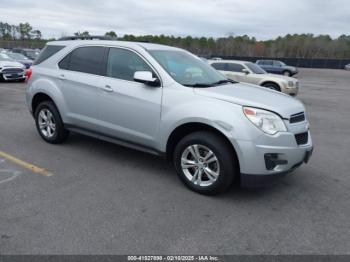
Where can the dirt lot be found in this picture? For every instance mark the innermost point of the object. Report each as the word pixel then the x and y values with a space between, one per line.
pixel 106 199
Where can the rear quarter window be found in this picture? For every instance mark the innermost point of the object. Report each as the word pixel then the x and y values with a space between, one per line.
pixel 47 52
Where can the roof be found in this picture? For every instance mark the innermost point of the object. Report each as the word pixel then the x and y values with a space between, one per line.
pixel 147 46
pixel 229 61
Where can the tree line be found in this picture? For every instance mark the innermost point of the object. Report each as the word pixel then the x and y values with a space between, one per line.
pixel 292 46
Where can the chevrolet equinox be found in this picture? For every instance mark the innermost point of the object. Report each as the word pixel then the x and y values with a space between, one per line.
pixel 166 101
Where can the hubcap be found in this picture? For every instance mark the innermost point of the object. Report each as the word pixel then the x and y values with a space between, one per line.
pixel 200 165
pixel 47 123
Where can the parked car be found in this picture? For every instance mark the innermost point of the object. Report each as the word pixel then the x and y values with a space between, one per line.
pixel 21 59
pixel 165 101
pixel 11 70
pixel 347 67
pixel 30 53
pixel 247 72
pixel 277 67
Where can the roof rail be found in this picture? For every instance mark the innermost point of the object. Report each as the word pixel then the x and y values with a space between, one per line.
pixel 92 37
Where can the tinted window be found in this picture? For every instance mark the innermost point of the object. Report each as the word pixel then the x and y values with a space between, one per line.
pixel 268 62
pixel 219 66
pixel 47 52
pixel 122 64
pixel 64 64
pixel 86 59
pixel 235 67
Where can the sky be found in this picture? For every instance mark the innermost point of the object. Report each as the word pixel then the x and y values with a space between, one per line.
pixel 263 19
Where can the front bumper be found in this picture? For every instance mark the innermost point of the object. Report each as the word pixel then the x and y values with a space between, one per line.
pixel 15 76
pixel 269 156
pixel 253 181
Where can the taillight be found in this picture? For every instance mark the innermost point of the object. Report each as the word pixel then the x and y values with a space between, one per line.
pixel 28 74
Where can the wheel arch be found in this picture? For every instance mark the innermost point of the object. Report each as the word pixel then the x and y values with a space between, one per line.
pixel 39 98
pixel 271 82
pixel 187 128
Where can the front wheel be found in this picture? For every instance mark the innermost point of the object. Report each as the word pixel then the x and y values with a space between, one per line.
pixel 49 123
pixel 205 163
pixel 272 86
pixel 287 73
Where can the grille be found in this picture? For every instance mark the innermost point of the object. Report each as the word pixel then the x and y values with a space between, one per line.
pixel 302 138
pixel 12 71
pixel 300 117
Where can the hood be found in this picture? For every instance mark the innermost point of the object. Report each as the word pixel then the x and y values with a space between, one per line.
pixel 254 96
pixel 10 64
pixel 281 77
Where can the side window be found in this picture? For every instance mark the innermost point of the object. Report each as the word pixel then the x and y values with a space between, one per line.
pixel 64 64
pixel 122 64
pixel 235 68
pixel 219 66
pixel 268 62
pixel 84 59
pixel 277 63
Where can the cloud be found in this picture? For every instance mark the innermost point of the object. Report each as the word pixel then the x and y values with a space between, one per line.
pixel 260 18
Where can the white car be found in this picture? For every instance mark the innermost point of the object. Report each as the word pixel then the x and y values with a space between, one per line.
pixel 347 67
pixel 247 72
pixel 10 69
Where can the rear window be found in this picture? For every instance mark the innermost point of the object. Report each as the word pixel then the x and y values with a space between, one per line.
pixel 47 52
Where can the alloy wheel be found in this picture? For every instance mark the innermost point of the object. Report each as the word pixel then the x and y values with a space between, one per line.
pixel 200 165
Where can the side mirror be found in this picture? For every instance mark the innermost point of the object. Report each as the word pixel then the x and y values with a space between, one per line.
pixel 146 77
pixel 246 71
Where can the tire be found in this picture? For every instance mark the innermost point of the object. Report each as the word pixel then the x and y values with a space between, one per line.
pixel 53 122
pixel 224 166
pixel 287 73
pixel 272 86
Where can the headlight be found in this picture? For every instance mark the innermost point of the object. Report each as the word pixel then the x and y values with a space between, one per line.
pixel 267 121
pixel 290 83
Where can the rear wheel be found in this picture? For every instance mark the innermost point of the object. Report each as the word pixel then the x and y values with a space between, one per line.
pixel 272 86
pixel 49 123
pixel 205 163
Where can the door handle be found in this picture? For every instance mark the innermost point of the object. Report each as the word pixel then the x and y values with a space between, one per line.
pixel 62 77
pixel 107 88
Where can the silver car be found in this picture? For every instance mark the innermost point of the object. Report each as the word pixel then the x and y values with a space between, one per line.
pixel 166 101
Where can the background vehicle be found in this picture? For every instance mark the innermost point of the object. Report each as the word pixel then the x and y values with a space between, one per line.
pixel 347 67
pixel 277 67
pixel 166 101
pixel 30 53
pixel 243 71
pixel 21 59
pixel 10 69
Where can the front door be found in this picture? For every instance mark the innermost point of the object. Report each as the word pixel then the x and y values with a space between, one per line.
pixel 128 110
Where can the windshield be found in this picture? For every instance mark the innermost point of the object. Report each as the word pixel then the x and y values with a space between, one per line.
pixel 17 56
pixel 187 69
pixel 255 68
pixel 4 57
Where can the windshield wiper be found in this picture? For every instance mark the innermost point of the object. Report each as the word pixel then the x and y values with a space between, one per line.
pixel 199 85
pixel 224 81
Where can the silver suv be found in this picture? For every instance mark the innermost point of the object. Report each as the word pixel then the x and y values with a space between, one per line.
pixel 166 101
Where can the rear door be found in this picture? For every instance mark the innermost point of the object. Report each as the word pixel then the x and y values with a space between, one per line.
pixel 79 80
pixel 268 66
pixel 128 110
